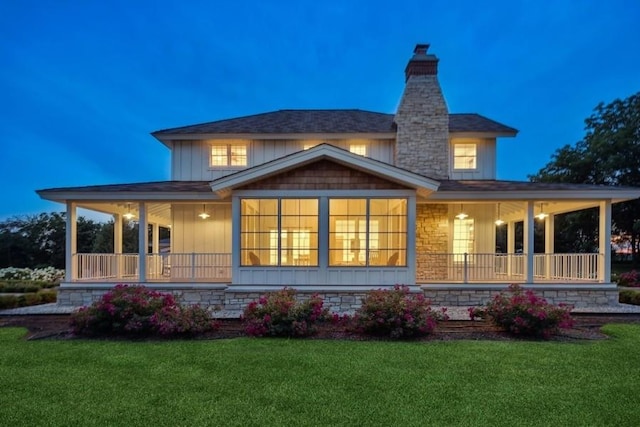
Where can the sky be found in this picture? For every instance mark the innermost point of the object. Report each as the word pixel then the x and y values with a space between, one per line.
pixel 83 83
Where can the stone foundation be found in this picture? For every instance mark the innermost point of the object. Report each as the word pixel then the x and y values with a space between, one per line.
pixel 345 299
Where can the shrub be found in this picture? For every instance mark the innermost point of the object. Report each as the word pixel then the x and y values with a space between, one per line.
pixel 525 313
pixel 27 299
pixel 279 314
pixel 48 274
pixel 396 313
pixel 138 311
pixel 629 297
pixel 629 279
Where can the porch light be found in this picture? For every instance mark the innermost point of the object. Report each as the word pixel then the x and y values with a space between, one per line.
pixel 128 215
pixel 499 221
pixel 461 215
pixel 204 214
pixel 542 215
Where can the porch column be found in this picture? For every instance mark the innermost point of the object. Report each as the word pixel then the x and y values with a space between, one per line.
pixel 155 238
pixel 549 233
pixel 528 242
pixel 71 244
pixel 143 242
pixel 604 240
pixel 117 243
pixel 511 246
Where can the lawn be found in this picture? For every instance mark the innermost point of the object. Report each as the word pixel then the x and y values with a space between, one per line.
pixel 262 382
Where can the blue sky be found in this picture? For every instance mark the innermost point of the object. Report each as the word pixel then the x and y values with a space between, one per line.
pixel 83 83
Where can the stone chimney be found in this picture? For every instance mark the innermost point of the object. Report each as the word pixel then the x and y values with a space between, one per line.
pixel 422 119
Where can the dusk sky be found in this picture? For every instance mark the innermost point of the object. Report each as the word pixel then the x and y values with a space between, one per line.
pixel 83 83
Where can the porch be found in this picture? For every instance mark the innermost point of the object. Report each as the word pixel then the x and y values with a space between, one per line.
pixel 442 268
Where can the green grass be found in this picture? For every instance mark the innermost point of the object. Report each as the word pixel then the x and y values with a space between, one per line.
pixel 258 382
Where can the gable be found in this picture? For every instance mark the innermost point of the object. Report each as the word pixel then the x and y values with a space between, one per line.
pixel 323 175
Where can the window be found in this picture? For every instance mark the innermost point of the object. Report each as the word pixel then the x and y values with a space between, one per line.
pixel 360 149
pixel 228 155
pixel 308 146
pixel 279 232
pixel 367 232
pixel 463 238
pixel 464 156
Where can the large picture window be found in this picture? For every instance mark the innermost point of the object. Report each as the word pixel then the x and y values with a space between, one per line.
pixel 279 232
pixel 367 232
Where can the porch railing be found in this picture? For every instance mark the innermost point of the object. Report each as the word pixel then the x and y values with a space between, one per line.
pixel 182 267
pixel 506 268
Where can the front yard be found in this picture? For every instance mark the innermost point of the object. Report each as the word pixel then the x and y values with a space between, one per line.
pixel 248 382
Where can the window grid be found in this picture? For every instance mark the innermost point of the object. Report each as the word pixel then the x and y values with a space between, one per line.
pixel 359 149
pixel 463 238
pixel 464 156
pixel 228 155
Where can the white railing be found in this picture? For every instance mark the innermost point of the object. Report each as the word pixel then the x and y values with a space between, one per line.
pixel 506 268
pixel 160 267
pixel 566 266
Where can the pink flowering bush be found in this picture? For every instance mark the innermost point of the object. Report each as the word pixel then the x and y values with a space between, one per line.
pixel 629 279
pixel 138 311
pixel 279 314
pixel 522 312
pixel 396 313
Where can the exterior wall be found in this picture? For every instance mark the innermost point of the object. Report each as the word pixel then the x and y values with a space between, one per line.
pixel 432 237
pixel 484 216
pixel 190 159
pixel 323 175
pixel 192 234
pixel 346 301
pixel 485 160
pixel 468 295
pixel 423 128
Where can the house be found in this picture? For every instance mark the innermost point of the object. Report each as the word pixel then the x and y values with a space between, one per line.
pixel 340 202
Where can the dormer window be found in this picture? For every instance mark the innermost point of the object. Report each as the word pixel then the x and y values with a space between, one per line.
pixel 464 156
pixel 228 155
pixel 360 149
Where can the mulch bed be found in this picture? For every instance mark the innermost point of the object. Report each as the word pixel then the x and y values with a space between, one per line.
pixel 586 328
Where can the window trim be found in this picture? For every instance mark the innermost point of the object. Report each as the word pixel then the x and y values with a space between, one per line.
pixel 229 156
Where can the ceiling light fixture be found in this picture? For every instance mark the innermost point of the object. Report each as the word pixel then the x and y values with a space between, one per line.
pixel 499 221
pixel 542 215
pixel 204 214
pixel 129 215
pixel 461 215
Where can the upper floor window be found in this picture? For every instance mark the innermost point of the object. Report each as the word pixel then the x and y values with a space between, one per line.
pixel 309 145
pixel 464 156
pixel 228 155
pixel 360 149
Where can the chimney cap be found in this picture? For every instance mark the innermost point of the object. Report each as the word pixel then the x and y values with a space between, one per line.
pixel 422 63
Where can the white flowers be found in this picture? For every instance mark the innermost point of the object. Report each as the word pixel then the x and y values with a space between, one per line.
pixel 48 274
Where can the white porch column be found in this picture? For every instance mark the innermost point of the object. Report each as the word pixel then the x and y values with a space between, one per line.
pixel 117 243
pixel 155 238
pixel 71 244
pixel 511 246
pixel 549 233
pixel 143 242
pixel 528 242
pixel 604 239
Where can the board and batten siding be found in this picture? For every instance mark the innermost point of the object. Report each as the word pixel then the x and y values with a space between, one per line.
pixel 192 234
pixel 485 159
pixel 190 159
pixel 484 228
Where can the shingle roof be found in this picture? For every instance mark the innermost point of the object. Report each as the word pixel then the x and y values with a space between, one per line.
pixel 327 121
pixel 515 186
pixel 140 187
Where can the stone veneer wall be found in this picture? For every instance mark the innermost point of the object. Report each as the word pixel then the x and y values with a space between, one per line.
pixel 347 301
pixel 422 139
pixel 432 240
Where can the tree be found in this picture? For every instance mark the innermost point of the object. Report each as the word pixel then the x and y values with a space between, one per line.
pixel 609 154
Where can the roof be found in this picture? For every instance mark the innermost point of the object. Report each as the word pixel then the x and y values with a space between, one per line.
pixel 163 186
pixel 328 122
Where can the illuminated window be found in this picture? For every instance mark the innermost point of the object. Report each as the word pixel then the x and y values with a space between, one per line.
pixel 464 156
pixel 279 232
pixel 228 155
pixel 360 149
pixel 307 146
pixel 367 232
pixel 463 238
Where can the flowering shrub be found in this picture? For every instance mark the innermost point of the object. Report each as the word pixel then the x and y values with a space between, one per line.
pixel 396 313
pixel 136 310
pixel 279 314
pixel 629 279
pixel 48 274
pixel 525 313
